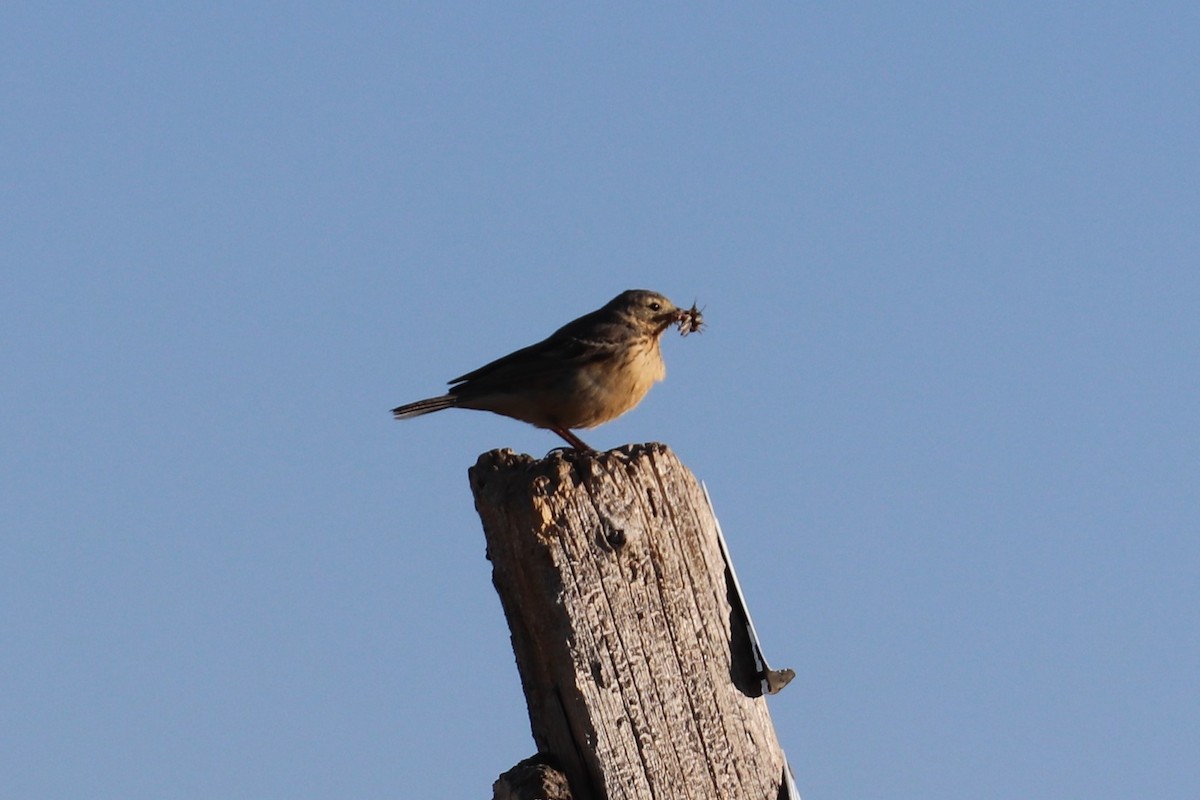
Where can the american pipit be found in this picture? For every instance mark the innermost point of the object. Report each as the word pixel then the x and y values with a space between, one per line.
pixel 586 373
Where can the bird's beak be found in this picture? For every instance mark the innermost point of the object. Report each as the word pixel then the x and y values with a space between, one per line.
pixel 666 319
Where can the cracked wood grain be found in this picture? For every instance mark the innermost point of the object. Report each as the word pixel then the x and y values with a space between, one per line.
pixel 616 594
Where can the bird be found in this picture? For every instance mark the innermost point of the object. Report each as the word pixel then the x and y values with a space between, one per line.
pixel 588 372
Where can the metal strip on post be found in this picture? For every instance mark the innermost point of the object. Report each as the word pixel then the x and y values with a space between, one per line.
pixel 773 679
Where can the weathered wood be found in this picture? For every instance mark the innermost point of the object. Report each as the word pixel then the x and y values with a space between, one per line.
pixel 532 779
pixel 635 666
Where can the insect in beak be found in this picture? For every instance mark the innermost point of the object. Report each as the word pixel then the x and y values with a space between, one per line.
pixel 690 320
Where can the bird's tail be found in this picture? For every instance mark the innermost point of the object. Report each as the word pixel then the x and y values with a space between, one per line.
pixel 424 406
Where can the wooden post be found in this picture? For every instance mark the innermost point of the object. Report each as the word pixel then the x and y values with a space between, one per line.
pixel 635 664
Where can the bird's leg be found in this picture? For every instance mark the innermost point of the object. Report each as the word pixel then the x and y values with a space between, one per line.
pixel 573 440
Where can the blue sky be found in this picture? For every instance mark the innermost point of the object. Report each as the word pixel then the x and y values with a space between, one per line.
pixel 946 405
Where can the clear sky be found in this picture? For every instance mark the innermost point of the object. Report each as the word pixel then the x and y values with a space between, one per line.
pixel 947 407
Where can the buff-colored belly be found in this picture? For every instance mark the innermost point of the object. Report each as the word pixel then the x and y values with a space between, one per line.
pixel 589 396
pixel 605 393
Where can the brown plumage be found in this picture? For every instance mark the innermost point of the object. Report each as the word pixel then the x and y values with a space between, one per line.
pixel 588 372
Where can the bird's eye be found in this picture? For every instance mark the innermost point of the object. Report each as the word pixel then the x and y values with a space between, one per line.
pixel 655 305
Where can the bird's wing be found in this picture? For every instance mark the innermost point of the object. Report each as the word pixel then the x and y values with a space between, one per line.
pixel 559 353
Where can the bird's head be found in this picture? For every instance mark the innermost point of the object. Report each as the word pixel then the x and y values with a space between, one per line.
pixel 649 311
